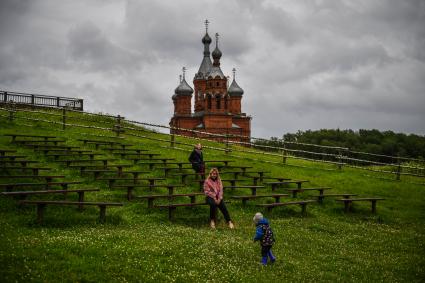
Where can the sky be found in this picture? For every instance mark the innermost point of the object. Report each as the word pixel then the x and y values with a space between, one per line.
pixel 303 64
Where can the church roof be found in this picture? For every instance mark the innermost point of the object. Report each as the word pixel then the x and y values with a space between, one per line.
pixel 183 89
pixel 235 89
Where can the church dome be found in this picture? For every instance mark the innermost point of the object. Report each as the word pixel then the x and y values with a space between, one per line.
pixel 183 88
pixel 206 39
pixel 235 89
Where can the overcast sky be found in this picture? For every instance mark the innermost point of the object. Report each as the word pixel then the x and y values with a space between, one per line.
pixel 303 64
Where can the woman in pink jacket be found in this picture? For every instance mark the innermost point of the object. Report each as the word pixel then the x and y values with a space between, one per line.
pixel 213 189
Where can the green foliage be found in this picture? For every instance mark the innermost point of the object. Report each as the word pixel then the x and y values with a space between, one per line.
pixel 138 244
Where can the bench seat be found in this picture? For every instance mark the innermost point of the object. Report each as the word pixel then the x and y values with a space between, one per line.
pixel 24 194
pixel 300 190
pixel 41 205
pixel 172 207
pixel 151 198
pixel 246 198
pixel 348 202
pixel 302 203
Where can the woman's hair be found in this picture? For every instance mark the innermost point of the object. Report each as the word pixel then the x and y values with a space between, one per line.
pixel 214 170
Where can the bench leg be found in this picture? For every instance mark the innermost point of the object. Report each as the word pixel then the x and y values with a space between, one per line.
pixel 150 202
pixel 192 199
pixel 102 213
pixel 171 213
pixel 373 206
pixel 244 202
pixel 320 199
pixel 303 208
pixel 40 212
pixel 347 206
pixel 277 199
pixel 254 191
pixel 294 194
pixel 129 193
pixel 80 199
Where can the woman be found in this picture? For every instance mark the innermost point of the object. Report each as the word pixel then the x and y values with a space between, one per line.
pixel 213 189
pixel 197 159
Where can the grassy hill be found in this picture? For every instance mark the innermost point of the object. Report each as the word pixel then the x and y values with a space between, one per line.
pixel 141 244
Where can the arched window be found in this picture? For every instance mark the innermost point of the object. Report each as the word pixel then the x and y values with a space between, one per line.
pixel 218 101
pixel 209 101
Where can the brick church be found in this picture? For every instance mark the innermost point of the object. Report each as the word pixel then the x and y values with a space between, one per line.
pixel 217 106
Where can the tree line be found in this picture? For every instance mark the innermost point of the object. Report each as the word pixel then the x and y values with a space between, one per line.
pixel 370 141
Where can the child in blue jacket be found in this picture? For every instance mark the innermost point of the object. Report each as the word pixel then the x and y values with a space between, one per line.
pixel 264 234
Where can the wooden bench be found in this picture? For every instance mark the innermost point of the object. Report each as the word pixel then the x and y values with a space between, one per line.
pixel 274 185
pixel 226 162
pixel 57 155
pixel 151 198
pixel 172 207
pixel 183 176
pixel 295 191
pixel 150 163
pixel 70 161
pixel 246 198
pixel 44 142
pixel 23 194
pixel 321 197
pixel 35 170
pixel 112 180
pixel 14 136
pixel 22 162
pixel 280 179
pixel 124 151
pixel 243 168
pixel 41 205
pixel 260 174
pixel 43 147
pixel 47 178
pixel 131 187
pixel 4 151
pixel 252 188
pixel 302 203
pixel 348 203
pixel 11 157
pixel 107 168
pixel 47 185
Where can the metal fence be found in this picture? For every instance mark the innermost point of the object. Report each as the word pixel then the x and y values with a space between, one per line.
pixel 40 100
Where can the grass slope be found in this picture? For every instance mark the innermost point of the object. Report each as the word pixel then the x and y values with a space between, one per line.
pixel 137 244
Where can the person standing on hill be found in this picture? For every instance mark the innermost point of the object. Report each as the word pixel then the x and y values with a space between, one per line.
pixel 197 159
pixel 213 189
pixel 264 235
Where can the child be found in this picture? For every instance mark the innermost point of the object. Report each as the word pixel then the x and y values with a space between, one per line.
pixel 264 234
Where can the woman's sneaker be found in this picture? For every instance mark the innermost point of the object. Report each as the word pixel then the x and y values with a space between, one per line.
pixel 231 225
pixel 212 224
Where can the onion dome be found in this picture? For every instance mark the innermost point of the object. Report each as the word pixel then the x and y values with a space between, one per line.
pixel 183 88
pixel 235 89
pixel 206 39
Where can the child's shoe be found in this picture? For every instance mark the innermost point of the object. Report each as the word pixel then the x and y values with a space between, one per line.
pixel 231 225
pixel 212 224
pixel 264 261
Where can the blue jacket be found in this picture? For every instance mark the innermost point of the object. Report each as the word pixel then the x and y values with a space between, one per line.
pixel 264 233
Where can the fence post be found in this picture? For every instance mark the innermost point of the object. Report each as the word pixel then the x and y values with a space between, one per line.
pixel 32 99
pixel 172 140
pixel 284 154
pixel 12 110
pixel 57 101
pixel 398 169
pixel 227 151
pixel 117 126
pixel 5 96
pixel 340 158
pixel 63 118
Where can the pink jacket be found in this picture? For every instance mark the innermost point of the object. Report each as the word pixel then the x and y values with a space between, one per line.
pixel 213 189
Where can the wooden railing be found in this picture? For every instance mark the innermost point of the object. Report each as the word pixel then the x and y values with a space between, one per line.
pixel 40 100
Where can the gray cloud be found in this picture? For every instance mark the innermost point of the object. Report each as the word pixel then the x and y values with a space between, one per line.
pixel 303 64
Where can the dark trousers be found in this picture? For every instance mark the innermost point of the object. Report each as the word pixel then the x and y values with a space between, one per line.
pixel 213 209
pixel 265 250
pixel 199 167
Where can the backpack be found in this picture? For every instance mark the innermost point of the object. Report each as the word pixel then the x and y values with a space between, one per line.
pixel 268 237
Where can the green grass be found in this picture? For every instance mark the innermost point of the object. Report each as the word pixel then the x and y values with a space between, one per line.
pixel 138 244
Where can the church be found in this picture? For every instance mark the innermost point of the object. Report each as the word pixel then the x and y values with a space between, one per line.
pixel 217 106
